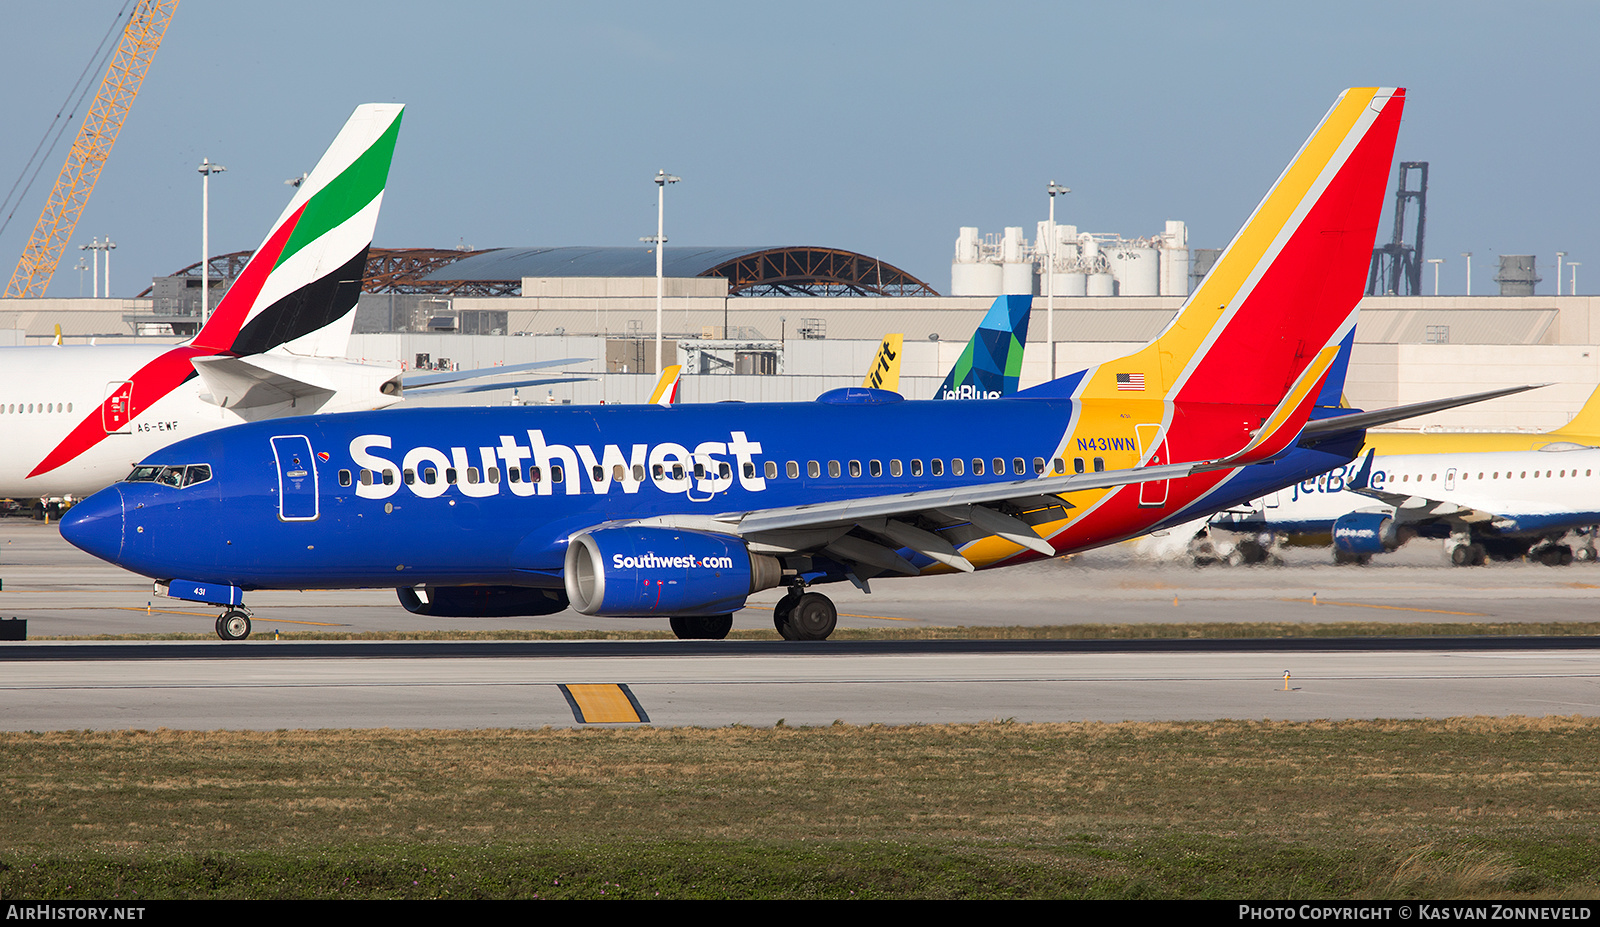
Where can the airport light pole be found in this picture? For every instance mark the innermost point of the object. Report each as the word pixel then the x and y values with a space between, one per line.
pixel 662 179
pixel 1468 256
pixel 98 246
pixel 1559 256
pixel 1573 290
pixel 1436 262
pixel 1050 279
pixel 206 170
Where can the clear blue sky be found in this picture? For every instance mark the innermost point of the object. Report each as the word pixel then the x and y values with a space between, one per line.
pixel 875 126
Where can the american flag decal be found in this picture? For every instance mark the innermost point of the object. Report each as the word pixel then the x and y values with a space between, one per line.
pixel 1130 381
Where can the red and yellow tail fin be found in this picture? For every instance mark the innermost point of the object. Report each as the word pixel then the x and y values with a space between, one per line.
pixel 667 387
pixel 1288 284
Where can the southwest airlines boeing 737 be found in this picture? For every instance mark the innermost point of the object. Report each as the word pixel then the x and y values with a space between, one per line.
pixel 682 513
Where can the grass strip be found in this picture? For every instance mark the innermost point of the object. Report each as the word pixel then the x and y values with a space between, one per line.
pixel 1460 808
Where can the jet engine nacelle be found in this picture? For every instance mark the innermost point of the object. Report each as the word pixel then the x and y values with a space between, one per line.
pixel 621 572
pixel 1365 533
pixel 481 601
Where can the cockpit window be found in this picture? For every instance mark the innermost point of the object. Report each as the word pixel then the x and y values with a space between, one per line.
pixel 175 476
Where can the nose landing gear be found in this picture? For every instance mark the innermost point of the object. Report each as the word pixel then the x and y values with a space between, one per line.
pixel 234 624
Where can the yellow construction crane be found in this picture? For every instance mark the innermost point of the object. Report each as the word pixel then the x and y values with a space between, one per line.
pixel 140 39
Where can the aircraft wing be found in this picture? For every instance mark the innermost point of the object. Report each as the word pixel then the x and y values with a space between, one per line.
pixel 420 380
pixel 1006 509
pixel 492 385
pixel 1342 423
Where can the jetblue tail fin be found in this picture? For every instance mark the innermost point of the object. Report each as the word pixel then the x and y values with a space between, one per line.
pixel 991 363
pixel 299 289
pixel 1288 284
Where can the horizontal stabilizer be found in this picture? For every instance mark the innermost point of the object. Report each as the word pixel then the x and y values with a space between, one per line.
pixel 307 384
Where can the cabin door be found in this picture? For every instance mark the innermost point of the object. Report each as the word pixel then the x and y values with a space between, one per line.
pixel 1153 494
pixel 297 478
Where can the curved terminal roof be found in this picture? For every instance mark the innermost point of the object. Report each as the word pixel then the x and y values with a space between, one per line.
pixel 750 272
pixel 786 271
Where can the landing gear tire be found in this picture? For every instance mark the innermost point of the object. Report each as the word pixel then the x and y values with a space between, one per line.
pixel 701 627
pixel 812 618
pixel 1468 555
pixel 1346 557
pixel 233 625
pixel 782 611
pixel 1554 555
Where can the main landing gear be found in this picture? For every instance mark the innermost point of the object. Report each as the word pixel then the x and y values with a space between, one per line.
pixel 804 616
pixel 701 627
pixel 233 624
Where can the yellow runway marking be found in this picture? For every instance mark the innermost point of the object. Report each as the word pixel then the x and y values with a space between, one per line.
pixel 607 703
pixel 1396 608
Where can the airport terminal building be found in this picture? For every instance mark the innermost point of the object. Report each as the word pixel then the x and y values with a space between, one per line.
pixel 787 323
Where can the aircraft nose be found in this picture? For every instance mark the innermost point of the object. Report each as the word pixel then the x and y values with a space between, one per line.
pixel 95 524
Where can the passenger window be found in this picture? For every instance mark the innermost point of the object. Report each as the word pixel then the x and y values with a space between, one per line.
pixel 556 473
pixel 724 470
pixel 638 473
pixel 813 469
pixel 749 469
pixel 1019 467
pixel 955 466
pixel 430 476
pixel 494 474
pixel 772 469
pixel 409 475
pixel 1099 464
pixel 999 468
pixel 833 469
pixel 894 467
pixel 450 475
pixel 792 468
pixel 1038 466
pixel 344 477
pixel 1077 465
pixel 875 468
pixel 699 470
pixel 916 467
pixel 366 477
pixel 388 477
pixel 619 472
pixel 855 468
pixel 534 475
pixel 472 475
pixel 936 467
pixel 597 472
pixel 677 471
pixel 977 466
pixel 514 474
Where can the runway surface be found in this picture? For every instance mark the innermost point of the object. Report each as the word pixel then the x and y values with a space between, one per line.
pixel 266 685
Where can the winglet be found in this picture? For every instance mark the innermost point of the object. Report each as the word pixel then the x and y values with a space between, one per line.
pixel 1363 477
pixel 306 277
pixel 885 370
pixel 667 387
